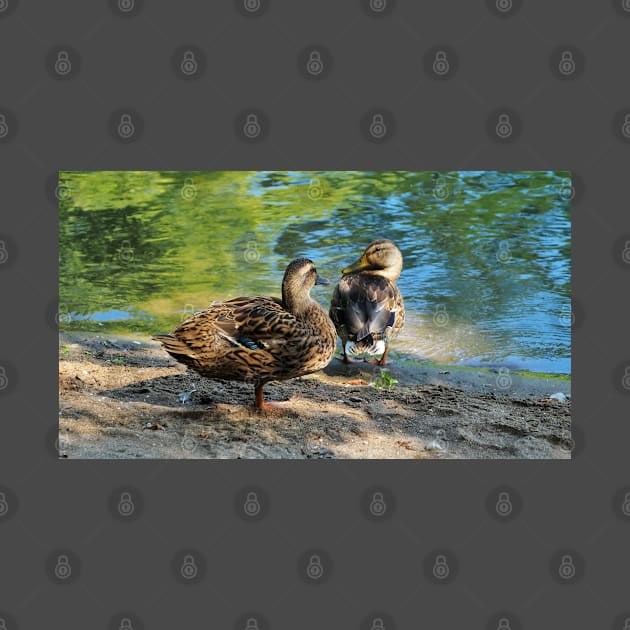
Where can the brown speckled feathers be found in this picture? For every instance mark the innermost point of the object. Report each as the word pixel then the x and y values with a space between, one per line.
pixel 259 339
pixel 252 338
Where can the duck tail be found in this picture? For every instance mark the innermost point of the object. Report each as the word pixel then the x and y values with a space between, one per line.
pixel 365 346
pixel 174 346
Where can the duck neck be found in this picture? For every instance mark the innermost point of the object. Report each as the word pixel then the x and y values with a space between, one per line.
pixel 296 303
pixel 391 273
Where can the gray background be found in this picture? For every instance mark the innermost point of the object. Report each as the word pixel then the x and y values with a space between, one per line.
pixel 372 61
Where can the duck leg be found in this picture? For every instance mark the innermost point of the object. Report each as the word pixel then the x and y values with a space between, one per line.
pixel 345 358
pixel 259 400
pixel 382 361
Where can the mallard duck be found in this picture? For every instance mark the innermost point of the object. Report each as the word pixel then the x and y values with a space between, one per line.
pixel 259 339
pixel 367 307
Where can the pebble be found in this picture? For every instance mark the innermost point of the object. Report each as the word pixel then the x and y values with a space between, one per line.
pixel 433 445
pixel 355 399
pixel 559 396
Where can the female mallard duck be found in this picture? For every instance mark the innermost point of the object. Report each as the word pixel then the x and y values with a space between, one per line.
pixel 367 307
pixel 259 339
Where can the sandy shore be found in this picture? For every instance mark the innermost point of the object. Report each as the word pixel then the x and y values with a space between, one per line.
pixel 126 398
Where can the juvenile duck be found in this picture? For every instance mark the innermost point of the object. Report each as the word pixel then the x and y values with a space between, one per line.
pixel 259 339
pixel 367 307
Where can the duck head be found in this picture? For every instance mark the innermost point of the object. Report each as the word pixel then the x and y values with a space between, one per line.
pixel 299 278
pixel 381 258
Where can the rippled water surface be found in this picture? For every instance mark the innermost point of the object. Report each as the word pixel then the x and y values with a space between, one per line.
pixel 487 271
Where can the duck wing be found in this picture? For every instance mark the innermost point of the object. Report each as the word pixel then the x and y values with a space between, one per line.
pixel 253 323
pixel 256 323
pixel 364 305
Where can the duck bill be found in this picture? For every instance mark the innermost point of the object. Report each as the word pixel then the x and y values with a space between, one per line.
pixel 322 281
pixel 359 265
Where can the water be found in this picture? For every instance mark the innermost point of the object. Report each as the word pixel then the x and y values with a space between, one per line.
pixel 486 277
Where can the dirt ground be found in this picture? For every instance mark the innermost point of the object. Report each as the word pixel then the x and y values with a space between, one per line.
pixel 126 398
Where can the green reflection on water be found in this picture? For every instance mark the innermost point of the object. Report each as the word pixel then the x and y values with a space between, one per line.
pixel 139 250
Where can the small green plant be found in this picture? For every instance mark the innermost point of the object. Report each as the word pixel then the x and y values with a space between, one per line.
pixel 385 380
pixel 118 360
pixel 65 350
